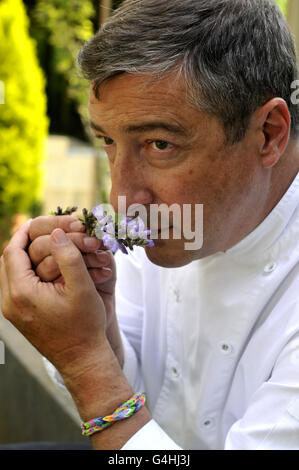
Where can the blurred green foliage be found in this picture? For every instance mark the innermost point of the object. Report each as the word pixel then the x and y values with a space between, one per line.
pixel 60 28
pixel 23 122
pixel 283 4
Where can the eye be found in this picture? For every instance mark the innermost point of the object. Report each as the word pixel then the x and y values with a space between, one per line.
pixel 107 140
pixel 161 145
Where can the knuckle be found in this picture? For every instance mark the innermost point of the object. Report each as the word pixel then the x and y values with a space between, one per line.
pixel 63 222
pixel 37 250
pixel 50 264
pixel 6 252
pixel 36 227
pixel 18 297
pixel 48 270
pixel 76 238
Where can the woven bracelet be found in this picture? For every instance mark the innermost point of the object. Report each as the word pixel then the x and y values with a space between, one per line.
pixel 126 410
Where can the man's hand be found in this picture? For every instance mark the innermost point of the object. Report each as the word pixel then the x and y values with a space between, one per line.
pixel 65 320
pixel 98 260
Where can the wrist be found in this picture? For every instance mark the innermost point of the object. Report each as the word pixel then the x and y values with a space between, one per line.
pixel 98 385
pixel 114 337
pixel 98 391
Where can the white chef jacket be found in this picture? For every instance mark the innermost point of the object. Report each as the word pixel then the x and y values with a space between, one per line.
pixel 215 344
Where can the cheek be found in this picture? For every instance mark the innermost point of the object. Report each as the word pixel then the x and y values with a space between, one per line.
pixel 172 190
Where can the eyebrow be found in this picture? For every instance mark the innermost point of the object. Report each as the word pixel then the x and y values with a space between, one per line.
pixel 147 126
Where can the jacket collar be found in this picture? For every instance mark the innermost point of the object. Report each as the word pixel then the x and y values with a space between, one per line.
pixel 260 241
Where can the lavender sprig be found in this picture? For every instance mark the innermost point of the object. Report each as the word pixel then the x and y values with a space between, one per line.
pixel 68 211
pixel 89 221
pixel 119 234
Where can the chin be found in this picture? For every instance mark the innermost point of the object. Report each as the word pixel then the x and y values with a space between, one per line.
pixel 169 256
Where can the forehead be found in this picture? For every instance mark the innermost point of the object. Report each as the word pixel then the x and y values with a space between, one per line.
pixel 134 97
pixel 127 86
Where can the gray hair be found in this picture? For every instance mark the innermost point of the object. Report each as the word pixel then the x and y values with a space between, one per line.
pixel 234 55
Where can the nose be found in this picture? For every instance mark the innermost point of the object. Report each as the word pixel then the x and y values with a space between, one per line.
pixel 129 178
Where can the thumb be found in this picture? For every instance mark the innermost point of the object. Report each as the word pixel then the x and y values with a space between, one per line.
pixel 70 261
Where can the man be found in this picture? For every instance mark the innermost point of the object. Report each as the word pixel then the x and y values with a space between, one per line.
pixel 193 103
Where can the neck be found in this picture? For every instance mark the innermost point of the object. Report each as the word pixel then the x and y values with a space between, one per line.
pixel 271 190
pixel 282 176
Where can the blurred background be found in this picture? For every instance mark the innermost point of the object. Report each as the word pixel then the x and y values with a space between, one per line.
pixel 47 155
pixel 47 158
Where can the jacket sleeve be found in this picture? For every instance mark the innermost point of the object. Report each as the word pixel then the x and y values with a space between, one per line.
pixel 151 437
pixel 129 308
pixel 129 311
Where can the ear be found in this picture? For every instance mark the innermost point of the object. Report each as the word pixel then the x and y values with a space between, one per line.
pixel 275 123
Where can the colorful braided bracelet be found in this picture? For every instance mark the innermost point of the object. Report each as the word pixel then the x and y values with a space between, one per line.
pixel 126 410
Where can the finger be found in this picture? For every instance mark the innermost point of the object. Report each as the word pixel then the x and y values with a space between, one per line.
pixel 48 269
pixel 17 261
pixel 100 275
pixel 97 260
pixel 70 262
pixel 44 225
pixel 40 248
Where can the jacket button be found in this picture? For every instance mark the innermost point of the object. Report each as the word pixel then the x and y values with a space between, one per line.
pixel 226 348
pixel 270 267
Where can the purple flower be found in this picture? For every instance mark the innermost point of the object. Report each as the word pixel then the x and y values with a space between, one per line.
pixel 129 231
pixel 110 229
pixel 110 243
pixel 113 244
pixel 98 212
pixel 101 216
pixel 122 248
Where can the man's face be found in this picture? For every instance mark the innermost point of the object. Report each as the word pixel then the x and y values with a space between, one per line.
pixel 162 151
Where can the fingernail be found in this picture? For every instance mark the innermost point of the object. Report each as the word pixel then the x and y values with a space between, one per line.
pixel 76 226
pixel 106 272
pixel 91 243
pixel 59 237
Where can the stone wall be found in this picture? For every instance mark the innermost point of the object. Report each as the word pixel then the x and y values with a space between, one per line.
pixel 32 407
